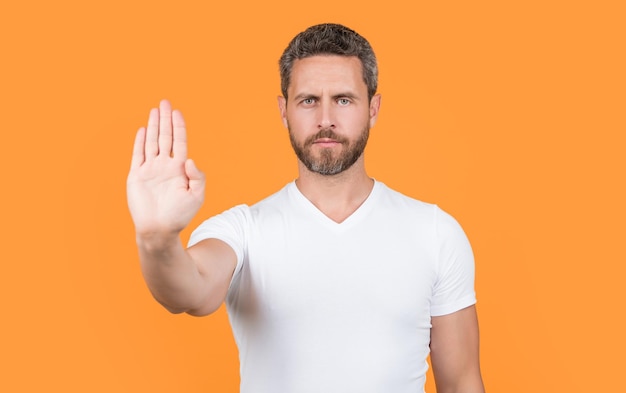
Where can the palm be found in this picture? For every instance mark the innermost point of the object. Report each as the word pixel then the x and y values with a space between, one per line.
pixel 164 188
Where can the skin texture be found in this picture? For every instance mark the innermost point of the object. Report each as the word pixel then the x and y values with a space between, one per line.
pixel 327 113
pixel 164 191
pixel 454 352
pixel 320 85
pixel 336 114
pixel 328 93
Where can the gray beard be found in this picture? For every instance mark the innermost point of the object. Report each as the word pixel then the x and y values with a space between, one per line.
pixel 327 164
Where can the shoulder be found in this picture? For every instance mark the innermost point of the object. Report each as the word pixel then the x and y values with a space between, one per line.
pixel 228 224
pixel 274 201
pixel 236 221
pixel 395 201
pixel 441 223
pixel 246 215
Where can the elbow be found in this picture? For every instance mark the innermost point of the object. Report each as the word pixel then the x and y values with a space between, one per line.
pixel 199 309
pixel 206 308
pixel 170 308
pixel 173 310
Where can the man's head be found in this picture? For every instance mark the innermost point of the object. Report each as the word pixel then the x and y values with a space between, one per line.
pixel 329 100
pixel 329 39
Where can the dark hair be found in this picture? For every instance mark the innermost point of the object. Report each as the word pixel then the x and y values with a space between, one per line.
pixel 329 39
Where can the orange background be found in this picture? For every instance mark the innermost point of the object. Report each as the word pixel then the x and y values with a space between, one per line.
pixel 509 115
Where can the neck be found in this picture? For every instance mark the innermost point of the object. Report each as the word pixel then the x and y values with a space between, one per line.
pixel 337 196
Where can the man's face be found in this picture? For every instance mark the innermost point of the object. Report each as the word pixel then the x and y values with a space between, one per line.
pixel 328 113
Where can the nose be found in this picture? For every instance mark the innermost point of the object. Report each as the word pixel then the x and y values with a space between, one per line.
pixel 326 115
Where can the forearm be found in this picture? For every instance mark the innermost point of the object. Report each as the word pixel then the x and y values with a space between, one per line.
pixel 171 274
pixel 165 190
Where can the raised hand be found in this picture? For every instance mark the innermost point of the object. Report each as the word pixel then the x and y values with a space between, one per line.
pixel 164 187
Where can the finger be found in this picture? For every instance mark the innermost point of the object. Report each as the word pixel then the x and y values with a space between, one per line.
pixel 152 133
pixel 196 178
pixel 165 128
pixel 192 171
pixel 180 136
pixel 138 149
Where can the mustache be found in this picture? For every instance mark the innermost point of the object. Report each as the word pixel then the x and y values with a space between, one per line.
pixel 324 133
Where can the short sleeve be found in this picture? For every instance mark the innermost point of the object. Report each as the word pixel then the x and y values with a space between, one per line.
pixel 454 288
pixel 229 227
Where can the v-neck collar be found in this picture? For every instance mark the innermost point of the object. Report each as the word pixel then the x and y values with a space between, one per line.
pixel 353 219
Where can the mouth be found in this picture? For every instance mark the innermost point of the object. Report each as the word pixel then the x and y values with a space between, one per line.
pixel 326 142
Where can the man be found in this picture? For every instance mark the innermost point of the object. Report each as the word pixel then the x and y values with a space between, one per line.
pixel 335 283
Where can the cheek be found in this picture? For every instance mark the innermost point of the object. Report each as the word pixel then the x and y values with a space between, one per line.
pixel 300 121
pixel 358 119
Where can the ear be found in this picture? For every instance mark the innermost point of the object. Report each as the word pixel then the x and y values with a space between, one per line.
pixel 282 107
pixel 374 108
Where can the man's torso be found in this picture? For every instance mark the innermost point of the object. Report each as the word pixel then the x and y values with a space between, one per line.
pixel 320 306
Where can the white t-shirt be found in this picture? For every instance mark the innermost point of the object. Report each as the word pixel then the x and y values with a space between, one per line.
pixel 319 306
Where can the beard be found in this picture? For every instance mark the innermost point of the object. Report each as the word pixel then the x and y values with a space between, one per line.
pixel 329 163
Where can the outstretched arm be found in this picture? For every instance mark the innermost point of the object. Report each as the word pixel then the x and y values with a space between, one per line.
pixel 165 190
pixel 454 352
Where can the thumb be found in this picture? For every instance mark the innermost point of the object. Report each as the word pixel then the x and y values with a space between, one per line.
pixel 196 177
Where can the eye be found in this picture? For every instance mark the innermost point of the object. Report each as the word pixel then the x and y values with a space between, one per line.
pixel 308 101
pixel 343 101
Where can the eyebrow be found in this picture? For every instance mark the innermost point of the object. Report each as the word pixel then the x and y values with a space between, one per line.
pixel 350 95
pixel 303 96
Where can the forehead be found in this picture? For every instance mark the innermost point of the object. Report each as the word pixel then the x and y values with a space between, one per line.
pixel 332 71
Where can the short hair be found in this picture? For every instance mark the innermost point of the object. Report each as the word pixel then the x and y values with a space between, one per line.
pixel 329 39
